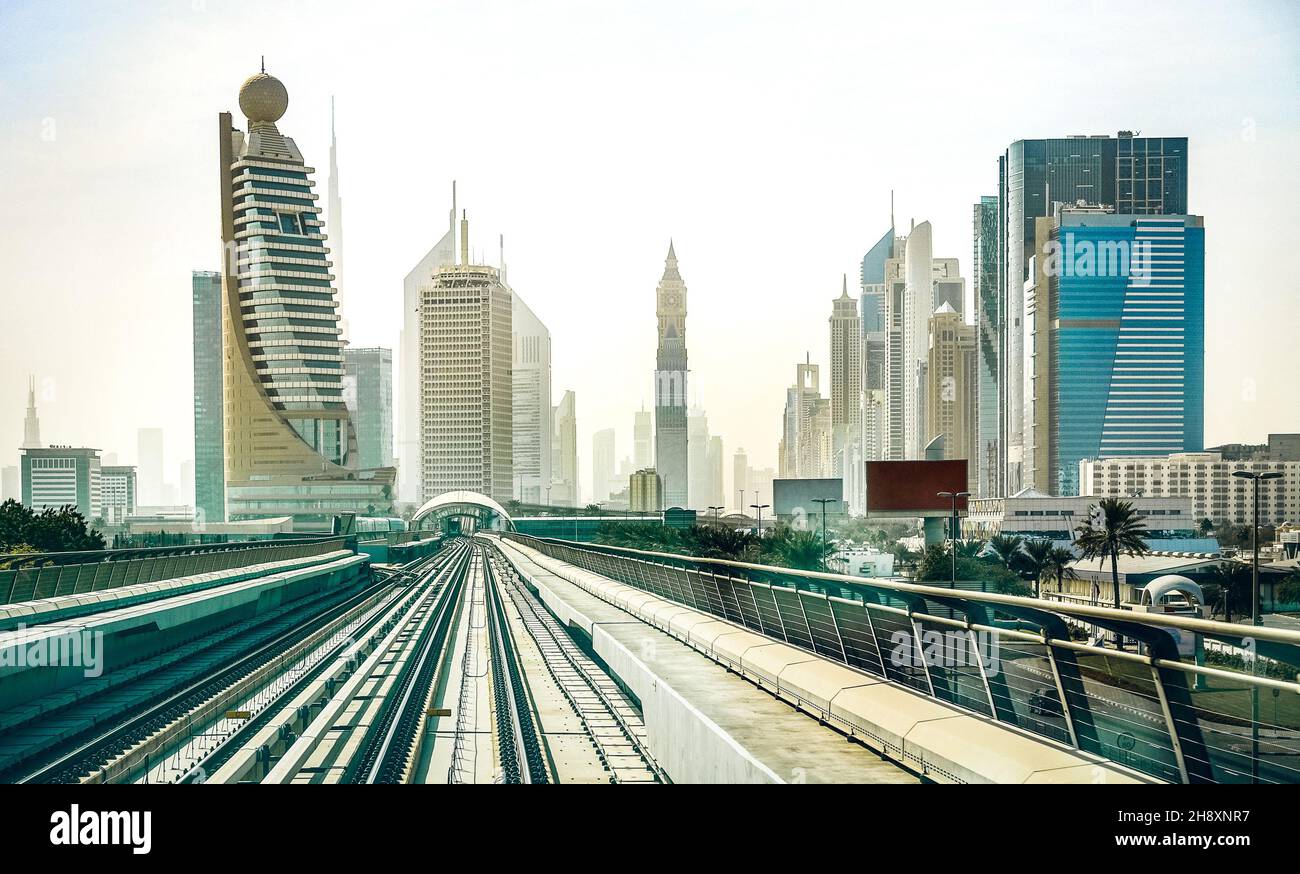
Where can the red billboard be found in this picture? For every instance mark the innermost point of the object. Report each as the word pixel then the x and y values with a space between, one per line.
pixel 912 487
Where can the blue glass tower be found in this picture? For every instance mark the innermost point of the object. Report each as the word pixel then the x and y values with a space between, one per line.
pixel 1127 343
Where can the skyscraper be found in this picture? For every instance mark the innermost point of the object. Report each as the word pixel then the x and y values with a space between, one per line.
pixel 368 391
pixel 872 309
pixel 335 228
pixel 846 361
pixel 531 384
pixel 31 424
pixel 149 459
pixel 466 392
pixel 290 445
pixel 117 493
pixel 805 447
pixel 950 408
pixel 59 476
pixel 717 488
pixel 602 464
pixel 564 452
pixel 643 439
pixel 645 492
pixel 1134 175
pixel 670 385
pixel 11 484
pixel 699 477
pixel 442 254
pixel 739 481
pixel 988 339
pixel 1126 339
pixel 209 441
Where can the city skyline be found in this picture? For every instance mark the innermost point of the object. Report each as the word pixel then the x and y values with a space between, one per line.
pixel 70 148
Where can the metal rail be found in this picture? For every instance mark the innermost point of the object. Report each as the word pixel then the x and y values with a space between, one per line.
pixel 298 620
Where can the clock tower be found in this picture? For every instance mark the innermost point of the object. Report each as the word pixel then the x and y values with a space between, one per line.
pixel 670 384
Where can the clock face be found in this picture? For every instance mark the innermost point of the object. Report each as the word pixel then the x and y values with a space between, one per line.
pixel 670 300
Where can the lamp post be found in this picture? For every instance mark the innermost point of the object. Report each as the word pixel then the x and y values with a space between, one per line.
pixel 953 532
pixel 824 502
pixel 1254 609
pixel 760 508
pixel 717 514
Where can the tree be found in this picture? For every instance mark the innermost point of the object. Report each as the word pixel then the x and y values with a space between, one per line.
pixel 1205 527
pixel 1060 566
pixel 803 550
pixel 1034 555
pixel 970 548
pixel 61 530
pixel 1007 549
pixel 1227 588
pixel 1112 528
pixel 1288 591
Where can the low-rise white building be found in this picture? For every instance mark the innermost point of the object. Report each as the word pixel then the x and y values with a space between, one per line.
pixel 1204 479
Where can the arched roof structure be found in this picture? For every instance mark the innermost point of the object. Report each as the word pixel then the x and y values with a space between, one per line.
pixel 489 514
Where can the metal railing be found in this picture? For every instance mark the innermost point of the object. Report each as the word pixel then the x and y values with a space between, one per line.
pixel 107 570
pixel 1008 658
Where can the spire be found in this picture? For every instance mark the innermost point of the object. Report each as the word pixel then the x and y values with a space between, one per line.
pixel 263 63
pixel 844 287
pixel 670 263
pixel 31 425
pixel 672 256
pixel 891 209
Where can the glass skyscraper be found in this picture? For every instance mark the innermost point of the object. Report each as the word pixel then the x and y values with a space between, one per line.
pixel 1135 175
pixel 368 391
pixel 209 443
pixel 988 341
pixel 1127 342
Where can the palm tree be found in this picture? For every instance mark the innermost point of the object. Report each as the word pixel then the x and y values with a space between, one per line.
pixel 1033 560
pixel 1225 582
pixel 1112 528
pixel 803 550
pixel 1007 549
pixel 1060 566
pixel 970 548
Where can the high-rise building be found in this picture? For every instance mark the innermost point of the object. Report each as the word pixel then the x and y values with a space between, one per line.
pixel 602 464
pixel 62 476
pixel 443 254
pixel 645 492
pixel 988 340
pixel 335 229
pixel 846 361
pixel 31 424
pixel 872 311
pixel 11 484
pixel 918 305
pixel 466 394
pixel 1133 175
pixel 290 444
pixel 209 440
pixel 643 439
pixel 532 423
pixel 1125 331
pixel 739 480
pixel 717 488
pixel 670 386
pixel 805 449
pixel 697 455
pixel 368 392
pixel 149 459
pixel 950 396
pixel 116 493
pixel 564 452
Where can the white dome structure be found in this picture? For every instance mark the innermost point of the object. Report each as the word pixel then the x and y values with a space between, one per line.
pixel 488 513
pixel 263 97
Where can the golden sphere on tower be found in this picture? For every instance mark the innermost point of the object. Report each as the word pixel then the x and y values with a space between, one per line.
pixel 263 97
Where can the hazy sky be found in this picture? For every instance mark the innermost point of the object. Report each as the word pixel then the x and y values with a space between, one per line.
pixel 764 138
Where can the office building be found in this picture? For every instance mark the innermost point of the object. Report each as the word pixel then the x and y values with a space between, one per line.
pixel 645 492
pixel 700 476
pixel 466 393
pixel 1132 175
pixel 116 493
pixel 671 453
pixel 643 452
pixel 11 484
pixel 988 341
pixel 532 411
pixel 209 440
pixel 1170 520
pixel 149 461
pixel 951 395
pixel 290 443
pixel 871 310
pixel 602 464
pixel 61 476
pixel 368 393
pixel 805 448
pixel 442 254
pixel 564 453
pixel 1125 328
pixel 1204 478
pixel 739 481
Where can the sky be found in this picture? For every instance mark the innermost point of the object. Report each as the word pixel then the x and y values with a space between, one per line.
pixel 763 138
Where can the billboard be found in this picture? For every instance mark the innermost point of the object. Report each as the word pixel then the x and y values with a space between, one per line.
pixel 911 488
pixel 794 497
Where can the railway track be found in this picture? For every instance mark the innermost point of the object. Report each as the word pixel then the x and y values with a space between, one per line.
pixel 182 681
pixel 610 719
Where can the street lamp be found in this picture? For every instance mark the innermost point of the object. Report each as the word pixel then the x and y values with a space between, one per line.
pixel 717 514
pixel 760 508
pixel 824 502
pixel 1254 609
pixel 953 532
